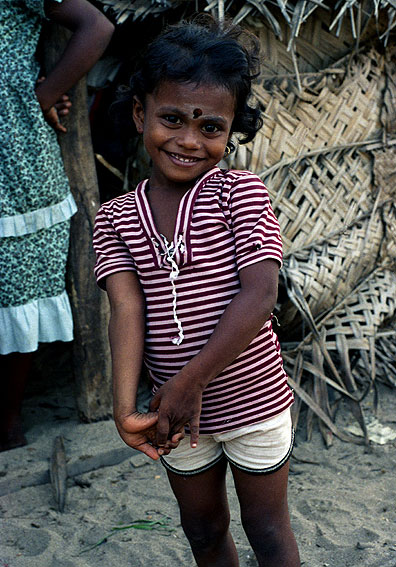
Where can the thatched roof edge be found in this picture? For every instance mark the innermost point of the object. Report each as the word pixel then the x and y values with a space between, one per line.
pixel 294 12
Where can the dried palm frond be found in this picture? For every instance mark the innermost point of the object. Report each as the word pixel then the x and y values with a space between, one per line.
pixel 136 9
pixel 294 12
pixel 385 358
pixel 297 13
pixel 347 332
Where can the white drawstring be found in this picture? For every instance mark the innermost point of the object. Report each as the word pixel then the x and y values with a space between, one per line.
pixel 171 250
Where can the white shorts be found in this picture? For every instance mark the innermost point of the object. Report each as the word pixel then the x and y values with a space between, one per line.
pixel 261 448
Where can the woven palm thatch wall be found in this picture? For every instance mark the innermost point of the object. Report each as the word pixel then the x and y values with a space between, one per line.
pixel 328 156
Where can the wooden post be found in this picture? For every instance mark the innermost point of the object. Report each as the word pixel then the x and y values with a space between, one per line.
pixel 91 352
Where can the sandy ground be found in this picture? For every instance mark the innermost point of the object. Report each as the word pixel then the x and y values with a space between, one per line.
pixel 342 499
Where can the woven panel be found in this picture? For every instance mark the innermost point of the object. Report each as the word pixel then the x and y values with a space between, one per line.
pixel 320 116
pixel 385 358
pixel 316 47
pixel 363 312
pixel 355 320
pixel 332 226
pixel 345 341
pixel 320 196
pixel 385 182
pixel 336 207
pixel 317 188
pixel 328 271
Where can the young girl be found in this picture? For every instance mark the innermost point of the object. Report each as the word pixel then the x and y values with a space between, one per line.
pixel 190 263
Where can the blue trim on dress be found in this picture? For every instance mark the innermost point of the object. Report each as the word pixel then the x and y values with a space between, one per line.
pixel 32 221
pixel 43 320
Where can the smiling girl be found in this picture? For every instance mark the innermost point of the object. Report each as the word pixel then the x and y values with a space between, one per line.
pixel 190 262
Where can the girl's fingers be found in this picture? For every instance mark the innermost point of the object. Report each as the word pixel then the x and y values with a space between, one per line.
pixel 164 451
pixel 177 437
pixel 163 427
pixel 51 116
pixel 155 403
pixel 63 101
pixel 194 432
pixel 138 422
pixel 63 108
pixel 149 450
pixel 152 415
pixel 172 444
pixel 59 128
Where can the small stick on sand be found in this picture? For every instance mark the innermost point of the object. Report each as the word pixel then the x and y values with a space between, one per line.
pixel 58 472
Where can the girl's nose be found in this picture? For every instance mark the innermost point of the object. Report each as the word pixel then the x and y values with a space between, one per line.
pixel 189 139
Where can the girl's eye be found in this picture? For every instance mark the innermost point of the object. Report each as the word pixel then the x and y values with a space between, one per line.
pixel 172 119
pixel 210 128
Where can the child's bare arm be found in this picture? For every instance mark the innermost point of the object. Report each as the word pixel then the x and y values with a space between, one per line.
pixel 179 399
pixel 126 333
pixel 91 34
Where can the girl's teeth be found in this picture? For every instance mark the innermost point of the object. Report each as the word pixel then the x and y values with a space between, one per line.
pixel 183 159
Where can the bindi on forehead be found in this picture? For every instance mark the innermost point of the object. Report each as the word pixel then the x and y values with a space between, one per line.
pixel 197 112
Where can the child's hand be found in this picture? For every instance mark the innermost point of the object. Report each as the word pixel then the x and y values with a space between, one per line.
pixel 178 402
pixel 59 109
pixel 138 430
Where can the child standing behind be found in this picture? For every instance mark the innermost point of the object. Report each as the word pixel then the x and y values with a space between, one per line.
pixel 190 262
pixel 35 199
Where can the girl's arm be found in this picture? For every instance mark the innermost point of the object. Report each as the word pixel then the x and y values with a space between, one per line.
pixel 126 334
pixel 91 34
pixel 179 399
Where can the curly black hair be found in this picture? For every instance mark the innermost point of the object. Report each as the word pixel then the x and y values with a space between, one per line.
pixel 201 51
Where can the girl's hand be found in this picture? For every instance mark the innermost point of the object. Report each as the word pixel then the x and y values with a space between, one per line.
pixel 138 430
pixel 53 114
pixel 178 402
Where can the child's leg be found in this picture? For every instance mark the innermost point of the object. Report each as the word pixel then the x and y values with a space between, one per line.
pixel 15 369
pixel 265 516
pixel 205 515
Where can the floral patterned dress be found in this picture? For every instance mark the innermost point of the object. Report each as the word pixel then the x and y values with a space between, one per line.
pixel 35 199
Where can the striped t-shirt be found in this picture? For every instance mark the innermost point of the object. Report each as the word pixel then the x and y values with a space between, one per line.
pixel 224 223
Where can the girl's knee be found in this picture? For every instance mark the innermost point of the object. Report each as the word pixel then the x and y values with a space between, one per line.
pixel 205 533
pixel 265 536
pixel 273 542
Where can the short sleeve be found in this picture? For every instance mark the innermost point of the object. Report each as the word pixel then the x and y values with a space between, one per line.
pixel 112 253
pixel 254 224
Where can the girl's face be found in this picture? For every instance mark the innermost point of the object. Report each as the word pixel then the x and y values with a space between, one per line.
pixel 185 129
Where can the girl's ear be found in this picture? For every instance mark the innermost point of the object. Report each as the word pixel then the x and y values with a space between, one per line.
pixel 138 114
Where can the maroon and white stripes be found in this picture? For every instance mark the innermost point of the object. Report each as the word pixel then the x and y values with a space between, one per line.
pixel 224 223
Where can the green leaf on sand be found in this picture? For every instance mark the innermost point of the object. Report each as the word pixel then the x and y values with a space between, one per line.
pixel 162 525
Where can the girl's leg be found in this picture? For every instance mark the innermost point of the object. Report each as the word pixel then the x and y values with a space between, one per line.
pixel 265 516
pixel 205 515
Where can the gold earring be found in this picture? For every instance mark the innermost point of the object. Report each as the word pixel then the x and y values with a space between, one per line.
pixel 227 151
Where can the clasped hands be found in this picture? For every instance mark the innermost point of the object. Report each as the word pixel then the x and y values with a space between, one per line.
pixel 175 404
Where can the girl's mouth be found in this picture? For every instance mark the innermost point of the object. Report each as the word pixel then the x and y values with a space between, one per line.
pixel 184 159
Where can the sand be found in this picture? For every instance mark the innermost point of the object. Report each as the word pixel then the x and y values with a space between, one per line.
pixel 342 499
